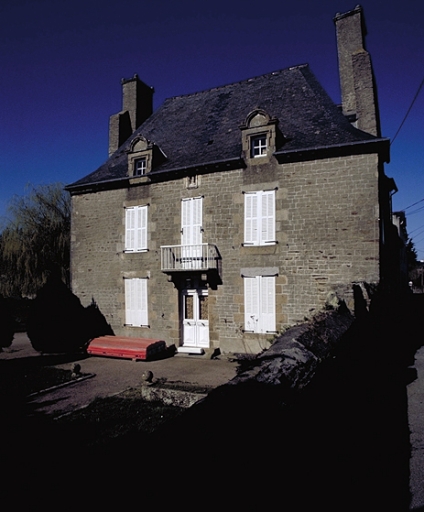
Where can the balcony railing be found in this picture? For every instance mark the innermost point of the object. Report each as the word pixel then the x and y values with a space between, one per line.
pixel 189 257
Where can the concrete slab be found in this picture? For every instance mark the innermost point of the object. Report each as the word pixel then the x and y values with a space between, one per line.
pixel 113 376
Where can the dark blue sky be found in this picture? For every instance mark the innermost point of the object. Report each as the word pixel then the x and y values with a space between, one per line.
pixel 61 65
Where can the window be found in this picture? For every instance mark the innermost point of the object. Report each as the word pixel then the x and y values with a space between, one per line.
pixel 259 304
pixel 136 229
pixel 259 218
pixel 258 146
pixel 136 302
pixel 140 166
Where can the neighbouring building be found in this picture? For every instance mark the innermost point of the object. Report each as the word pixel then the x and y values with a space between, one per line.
pixel 226 215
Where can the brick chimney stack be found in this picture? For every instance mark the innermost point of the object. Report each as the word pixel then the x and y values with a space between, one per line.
pixel 137 106
pixel 358 91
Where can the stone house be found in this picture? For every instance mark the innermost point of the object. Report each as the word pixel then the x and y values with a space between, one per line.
pixel 227 215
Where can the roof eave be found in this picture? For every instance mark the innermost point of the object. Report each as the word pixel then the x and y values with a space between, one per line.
pixel 213 166
pixel 204 168
pixel 96 186
pixel 380 146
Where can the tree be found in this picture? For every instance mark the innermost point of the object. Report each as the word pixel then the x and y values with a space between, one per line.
pixel 58 323
pixel 36 240
pixel 411 255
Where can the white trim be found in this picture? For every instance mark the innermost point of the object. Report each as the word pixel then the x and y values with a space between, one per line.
pixel 140 166
pixel 258 145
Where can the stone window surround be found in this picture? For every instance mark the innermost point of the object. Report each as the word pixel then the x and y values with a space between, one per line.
pixel 140 148
pixel 259 123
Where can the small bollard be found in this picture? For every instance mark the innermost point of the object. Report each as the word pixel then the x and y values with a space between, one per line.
pixel 147 377
pixel 76 370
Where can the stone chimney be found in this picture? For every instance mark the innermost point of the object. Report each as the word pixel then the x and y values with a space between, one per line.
pixel 358 91
pixel 137 106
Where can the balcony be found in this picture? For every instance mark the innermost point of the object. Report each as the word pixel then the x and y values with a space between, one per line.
pixel 179 258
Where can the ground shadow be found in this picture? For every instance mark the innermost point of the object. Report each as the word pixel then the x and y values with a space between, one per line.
pixel 342 444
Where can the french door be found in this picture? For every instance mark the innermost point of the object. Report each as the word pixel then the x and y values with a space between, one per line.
pixel 191 233
pixel 195 318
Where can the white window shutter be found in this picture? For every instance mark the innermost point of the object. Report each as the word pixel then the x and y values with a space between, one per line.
pixel 267 304
pixel 259 217
pixel 137 301
pixel 197 220
pixel 141 227
pixel 267 217
pixel 251 296
pixel 259 304
pixel 144 319
pixel 129 229
pixel 251 218
pixel 136 306
pixel 185 222
pixel 129 302
pixel 144 228
pixel 136 228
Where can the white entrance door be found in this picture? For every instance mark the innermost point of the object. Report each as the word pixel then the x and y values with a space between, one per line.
pixel 195 318
pixel 191 233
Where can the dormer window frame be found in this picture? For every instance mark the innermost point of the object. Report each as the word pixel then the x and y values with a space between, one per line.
pixel 259 134
pixel 140 156
pixel 140 166
pixel 258 145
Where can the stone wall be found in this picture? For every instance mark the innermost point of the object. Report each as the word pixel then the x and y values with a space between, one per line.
pixel 327 230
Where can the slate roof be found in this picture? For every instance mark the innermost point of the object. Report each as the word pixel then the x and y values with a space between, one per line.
pixel 202 128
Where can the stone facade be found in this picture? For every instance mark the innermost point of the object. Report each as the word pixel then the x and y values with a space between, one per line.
pixel 274 145
pixel 327 229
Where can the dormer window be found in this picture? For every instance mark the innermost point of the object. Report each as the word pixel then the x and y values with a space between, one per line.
pixel 258 146
pixel 143 154
pixel 259 134
pixel 140 157
pixel 140 166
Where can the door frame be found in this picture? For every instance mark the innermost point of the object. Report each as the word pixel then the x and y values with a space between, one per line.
pixel 194 331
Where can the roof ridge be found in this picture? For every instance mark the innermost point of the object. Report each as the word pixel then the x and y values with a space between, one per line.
pixel 276 72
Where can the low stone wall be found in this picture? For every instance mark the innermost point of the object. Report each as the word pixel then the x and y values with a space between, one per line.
pixel 175 397
pixel 294 357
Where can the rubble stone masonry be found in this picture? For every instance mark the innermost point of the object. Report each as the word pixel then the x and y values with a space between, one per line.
pixel 327 233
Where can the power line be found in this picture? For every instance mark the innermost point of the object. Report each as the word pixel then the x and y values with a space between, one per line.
pixel 411 205
pixel 416 211
pixel 409 110
pixel 419 229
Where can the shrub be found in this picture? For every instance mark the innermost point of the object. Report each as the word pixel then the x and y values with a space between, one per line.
pixel 57 321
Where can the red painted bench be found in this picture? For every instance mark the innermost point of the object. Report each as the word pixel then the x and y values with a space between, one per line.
pixel 125 347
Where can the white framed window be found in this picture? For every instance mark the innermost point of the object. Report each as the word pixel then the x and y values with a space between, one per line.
pixel 259 217
pixel 136 229
pixel 259 304
pixel 140 166
pixel 136 306
pixel 258 146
